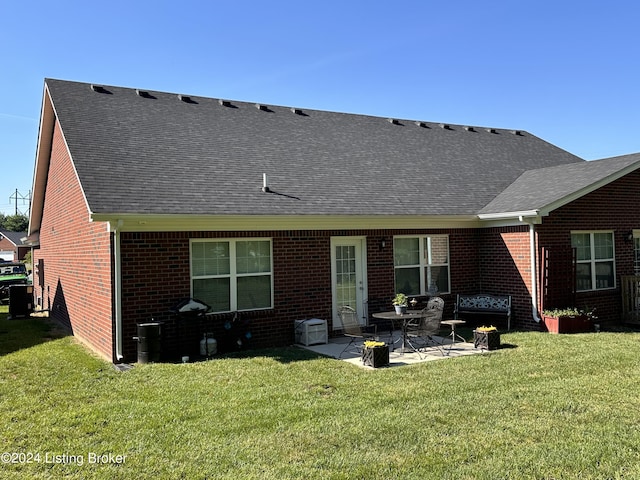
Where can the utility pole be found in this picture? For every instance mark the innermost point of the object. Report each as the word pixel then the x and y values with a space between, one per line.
pixel 25 199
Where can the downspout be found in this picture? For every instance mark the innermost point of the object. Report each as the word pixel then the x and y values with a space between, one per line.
pixel 117 271
pixel 534 276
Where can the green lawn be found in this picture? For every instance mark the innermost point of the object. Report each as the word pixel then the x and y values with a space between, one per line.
pixel 548 407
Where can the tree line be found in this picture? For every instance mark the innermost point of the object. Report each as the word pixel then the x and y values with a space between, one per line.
pixel 14 223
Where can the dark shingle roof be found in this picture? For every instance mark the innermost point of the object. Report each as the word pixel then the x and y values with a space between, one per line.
pixel 541 188
pixel 13 237
pixel 157 154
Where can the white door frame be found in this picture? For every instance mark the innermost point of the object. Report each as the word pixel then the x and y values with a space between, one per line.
pixel 360 244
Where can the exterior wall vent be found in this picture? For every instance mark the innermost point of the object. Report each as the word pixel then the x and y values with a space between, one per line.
pixel 99 89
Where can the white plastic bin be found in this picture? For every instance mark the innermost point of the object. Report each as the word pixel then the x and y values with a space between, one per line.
pixel 311 331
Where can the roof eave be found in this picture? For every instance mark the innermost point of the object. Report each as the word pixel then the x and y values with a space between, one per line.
pixel 41 167
pixel 162 223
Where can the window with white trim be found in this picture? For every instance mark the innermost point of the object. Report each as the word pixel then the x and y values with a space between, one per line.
pixel 421 264
pixel 595 260
pixel 230 275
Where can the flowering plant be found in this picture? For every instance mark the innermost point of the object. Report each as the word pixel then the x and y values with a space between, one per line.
pixel 487 329
pixel 400 299
pixel 571 312
pixel 373 344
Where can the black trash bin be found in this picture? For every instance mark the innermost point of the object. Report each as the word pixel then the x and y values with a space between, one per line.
pixel 20 301
pixel 149 342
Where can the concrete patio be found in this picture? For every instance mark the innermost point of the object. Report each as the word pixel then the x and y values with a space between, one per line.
pixel 396 357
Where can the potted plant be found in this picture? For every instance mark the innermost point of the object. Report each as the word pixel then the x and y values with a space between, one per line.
pixel 568 320
pixel 487 338
pixel 400 303
pixel 375 354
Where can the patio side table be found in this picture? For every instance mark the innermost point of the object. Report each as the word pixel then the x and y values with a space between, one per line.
pixel 453 334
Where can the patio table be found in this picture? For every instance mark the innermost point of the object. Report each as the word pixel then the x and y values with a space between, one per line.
pixel 453 334
pixel 403 319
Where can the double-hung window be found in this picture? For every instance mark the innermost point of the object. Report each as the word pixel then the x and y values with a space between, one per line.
pixel 595 260
pixel 421 264
pixel 230 275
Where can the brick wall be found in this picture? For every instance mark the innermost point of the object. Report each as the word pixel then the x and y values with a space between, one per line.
pixel 155 275
pixel 77 257
pixel 613 207
pixel 505 269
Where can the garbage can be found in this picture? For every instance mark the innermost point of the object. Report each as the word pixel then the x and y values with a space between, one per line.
pixel 20 300
pixel 149 342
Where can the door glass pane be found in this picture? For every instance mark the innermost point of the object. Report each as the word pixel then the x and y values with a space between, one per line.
pixel 406 251
pixel 214 292
pixel 408 281
pixel 254 292
pixel 346 278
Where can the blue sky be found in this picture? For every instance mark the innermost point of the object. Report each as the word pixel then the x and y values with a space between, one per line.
pixel 568 72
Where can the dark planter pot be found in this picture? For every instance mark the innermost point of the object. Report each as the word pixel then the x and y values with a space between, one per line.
pixel 486 340
pixel 375 356
pixel 567 324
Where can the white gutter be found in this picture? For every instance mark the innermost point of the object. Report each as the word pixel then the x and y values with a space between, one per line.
pixel 534 283
pixel 118 286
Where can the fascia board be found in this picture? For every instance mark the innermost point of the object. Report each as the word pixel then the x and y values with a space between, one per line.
pixel 176 223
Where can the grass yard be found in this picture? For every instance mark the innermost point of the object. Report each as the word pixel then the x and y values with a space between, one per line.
pixel 551 407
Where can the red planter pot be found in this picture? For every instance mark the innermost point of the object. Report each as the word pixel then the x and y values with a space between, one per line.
pixel 567 324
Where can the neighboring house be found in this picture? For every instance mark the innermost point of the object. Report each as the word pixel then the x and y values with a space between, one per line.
pixel 282 214
pixel 11 247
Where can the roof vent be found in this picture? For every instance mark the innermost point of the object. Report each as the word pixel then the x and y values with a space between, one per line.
pixel 491 130
pixel 422 124
pixel 225 103
pixel 99 89
pixel 144 94
pixel 517 132
pixel 297 111
pixel 394 121
pixel 445 126
pixel 186 99
pixel 470 129
pixel 264 108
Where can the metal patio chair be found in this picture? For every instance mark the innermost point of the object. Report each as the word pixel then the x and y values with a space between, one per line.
pixel 421 331
pixel 352 329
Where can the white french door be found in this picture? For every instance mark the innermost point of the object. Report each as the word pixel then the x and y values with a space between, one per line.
pixel 349 276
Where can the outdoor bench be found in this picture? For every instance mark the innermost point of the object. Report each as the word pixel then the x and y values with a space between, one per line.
pixel 484 304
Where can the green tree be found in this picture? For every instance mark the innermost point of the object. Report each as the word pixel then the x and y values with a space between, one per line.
pixel 14 223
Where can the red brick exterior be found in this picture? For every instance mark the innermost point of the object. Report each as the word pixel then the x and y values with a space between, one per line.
pixel 613 207
pixel 78 283
pixel 77 258
pixel 7 245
